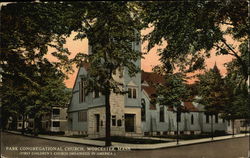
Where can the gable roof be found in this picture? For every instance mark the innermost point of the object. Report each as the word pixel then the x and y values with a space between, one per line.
pixel 190 107
pixel 151 79
pixel 85 65
pixel 187 106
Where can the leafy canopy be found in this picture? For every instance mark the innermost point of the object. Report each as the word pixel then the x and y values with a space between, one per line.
pixel 194 27
pixel 27 30
pixel 112 30
pixel 173 91
pixel 212 92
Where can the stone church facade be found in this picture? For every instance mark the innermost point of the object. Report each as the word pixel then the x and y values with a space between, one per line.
pixel 87 116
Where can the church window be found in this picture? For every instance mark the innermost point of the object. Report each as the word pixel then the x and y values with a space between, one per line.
pixel 162 114
pixel 132 93
pixel 192 119
pixel 81 91
pixel 143 110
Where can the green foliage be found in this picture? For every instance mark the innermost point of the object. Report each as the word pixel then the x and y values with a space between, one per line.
pixel 52 92
pixel 234 68
pixel 195 26
pixel 21 97
pixel 200 26
pixel 30 28
pixel 173 91
pixel 31 84
pixel 237 106
pixel 212 91
pixel 111 30
pixel 227 96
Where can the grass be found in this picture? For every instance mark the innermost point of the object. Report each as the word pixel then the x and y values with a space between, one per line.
pixel 122 139
pixel 77 136
pixel 190 137
pixel 52 133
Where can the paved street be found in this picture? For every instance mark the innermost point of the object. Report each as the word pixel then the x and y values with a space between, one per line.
pixel 17 146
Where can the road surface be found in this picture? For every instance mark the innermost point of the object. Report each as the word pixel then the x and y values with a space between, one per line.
pixel 17 146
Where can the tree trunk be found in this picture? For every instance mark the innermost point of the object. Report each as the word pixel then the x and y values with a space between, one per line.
pixel 108 113
pixel 35 132
pixel 233 127
pixel 245 127
pixel 37 124
pixel 177 127
pixel 23 120
pixel 212 128
pixel 4 122
pixel 23 124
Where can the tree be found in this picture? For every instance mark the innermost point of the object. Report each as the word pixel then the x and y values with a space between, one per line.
pixel 172 93
pixel 192 27
pixel 212 92
pixel 27 30
pixel 237 103
pixel 15 90
pixel 51 92
pixel 22 97
pixel 25 35
pixel 111 27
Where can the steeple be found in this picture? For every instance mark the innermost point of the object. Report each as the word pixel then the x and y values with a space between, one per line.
pixel 215 68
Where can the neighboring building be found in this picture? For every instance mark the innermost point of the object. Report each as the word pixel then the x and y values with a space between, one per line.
pixel 239 125
pixel 56 121
pixel 20 123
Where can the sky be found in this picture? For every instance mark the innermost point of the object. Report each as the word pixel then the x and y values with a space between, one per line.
pixel 150 60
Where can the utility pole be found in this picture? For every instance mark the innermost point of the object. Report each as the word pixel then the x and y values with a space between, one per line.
pixel 233 127
pixel 212 128
pixel 248 80
pixel 177 125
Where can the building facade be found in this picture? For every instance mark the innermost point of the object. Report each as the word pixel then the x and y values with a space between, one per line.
pixel 161 119
pixel 56 121
pixel 86 112
pixel 133 114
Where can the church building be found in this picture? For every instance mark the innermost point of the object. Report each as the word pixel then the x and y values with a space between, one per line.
pixel 133 114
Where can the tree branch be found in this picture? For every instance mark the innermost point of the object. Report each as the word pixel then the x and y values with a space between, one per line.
pixel 87 23
pixel 226 23
pixel 244 66
pixel 222 48
pixel 230 48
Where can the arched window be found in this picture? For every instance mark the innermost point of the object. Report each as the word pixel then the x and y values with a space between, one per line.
pixel 82 91
pixel 162 114
pixel 192 119
pixel 216 118
pixel 143 109
pixel 207 118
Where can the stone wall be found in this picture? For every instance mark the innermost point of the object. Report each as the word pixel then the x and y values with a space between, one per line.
pixel 92 128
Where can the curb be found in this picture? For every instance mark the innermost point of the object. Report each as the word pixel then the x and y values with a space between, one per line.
pixel 195 143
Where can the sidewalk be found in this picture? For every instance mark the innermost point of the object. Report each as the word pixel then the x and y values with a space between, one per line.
pixel 134 146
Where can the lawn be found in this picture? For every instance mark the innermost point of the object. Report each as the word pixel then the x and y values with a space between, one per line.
pixel 77 136
pixel 131 140
pixel 190 137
